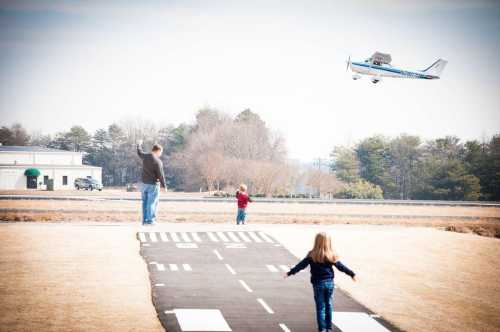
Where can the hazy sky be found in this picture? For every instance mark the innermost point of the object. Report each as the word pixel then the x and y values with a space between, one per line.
pixel 95 62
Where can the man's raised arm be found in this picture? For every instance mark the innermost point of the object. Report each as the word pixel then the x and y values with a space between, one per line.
pixel 140 153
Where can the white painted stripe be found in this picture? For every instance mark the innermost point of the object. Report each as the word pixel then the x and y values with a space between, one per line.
pixel 223 237
pixel 151 263
pixel 153 237
pixel 230 269
pixel 163 236
pixel 254 237
pixel 201 320
pixel 357 321
pixel 173 267
pixel 216 252
pixel 212 237
pixel 284 268
pixel 272 268
pixel 244 237
pixel 185 237
pixel 244 284
pixel 187 267
pixel 142 237
pixel 160 267
pixel 284 328
pixel 233 237
pixel 146 244
pixel 195 236
pixel 159 285
pixel 174 236
pixel 266 307
pixel 266 237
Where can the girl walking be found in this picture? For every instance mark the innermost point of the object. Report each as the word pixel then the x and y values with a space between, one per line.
pixel 321 259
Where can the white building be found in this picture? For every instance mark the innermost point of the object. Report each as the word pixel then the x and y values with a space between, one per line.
pixel 31 167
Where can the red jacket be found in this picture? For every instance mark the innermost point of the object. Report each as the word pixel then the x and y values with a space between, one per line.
pixel 243 199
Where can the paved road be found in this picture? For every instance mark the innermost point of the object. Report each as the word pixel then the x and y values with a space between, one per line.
pixel 233 281
pixel 136 197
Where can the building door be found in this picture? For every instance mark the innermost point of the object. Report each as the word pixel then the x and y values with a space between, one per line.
pixel 31 182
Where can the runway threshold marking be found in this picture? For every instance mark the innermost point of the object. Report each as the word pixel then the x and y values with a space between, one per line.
pixel 222 236
pixel 212 237
pixel 174 237
pixel 265 237
pixel 153 237
pixel 195 237
pixel 244 237
pixel 142 237
pixel 254 237
pixel 233 237
pixel 265 306
pixel 185 237
pixel 173 267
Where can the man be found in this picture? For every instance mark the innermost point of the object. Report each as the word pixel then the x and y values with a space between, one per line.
pixel 152 178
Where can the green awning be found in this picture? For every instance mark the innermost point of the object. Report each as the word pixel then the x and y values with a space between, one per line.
pixel 32 172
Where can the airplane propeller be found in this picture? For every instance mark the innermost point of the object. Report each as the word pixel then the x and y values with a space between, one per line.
pixel 348 63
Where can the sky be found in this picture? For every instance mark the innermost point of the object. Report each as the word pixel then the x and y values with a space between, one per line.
pixel 92 63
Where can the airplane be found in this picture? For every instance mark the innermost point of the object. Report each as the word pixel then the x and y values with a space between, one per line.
pixel 379 65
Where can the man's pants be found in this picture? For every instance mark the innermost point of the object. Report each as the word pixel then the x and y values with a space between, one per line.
pixel 150 194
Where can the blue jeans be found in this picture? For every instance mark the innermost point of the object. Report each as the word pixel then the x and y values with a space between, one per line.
pixel 150 194
pixel 323 296
pixel 240 217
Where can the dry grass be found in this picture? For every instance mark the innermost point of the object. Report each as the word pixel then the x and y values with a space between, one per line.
pixel 421 279
pixel 62 278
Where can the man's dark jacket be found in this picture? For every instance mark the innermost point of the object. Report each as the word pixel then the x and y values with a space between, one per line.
pixel 152 168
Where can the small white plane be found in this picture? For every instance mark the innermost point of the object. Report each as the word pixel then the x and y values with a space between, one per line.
pixel 379 65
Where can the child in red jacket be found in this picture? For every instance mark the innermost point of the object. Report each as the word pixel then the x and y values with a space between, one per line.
pixel 243 199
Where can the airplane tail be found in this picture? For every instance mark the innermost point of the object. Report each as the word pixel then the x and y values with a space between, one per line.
pixel 436 69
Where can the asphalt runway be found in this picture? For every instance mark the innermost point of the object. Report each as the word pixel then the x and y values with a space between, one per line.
pixel 233 281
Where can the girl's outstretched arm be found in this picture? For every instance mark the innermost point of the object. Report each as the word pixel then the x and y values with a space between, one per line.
pixel 341 267
pixel 297 268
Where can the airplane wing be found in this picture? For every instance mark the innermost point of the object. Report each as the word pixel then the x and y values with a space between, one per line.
pixel 379 57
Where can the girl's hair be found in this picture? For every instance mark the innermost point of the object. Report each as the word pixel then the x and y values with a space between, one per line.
pixel 243 187
pixel 322 251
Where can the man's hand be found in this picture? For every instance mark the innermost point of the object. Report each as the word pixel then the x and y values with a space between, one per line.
pixel 354 279
pixel 285 276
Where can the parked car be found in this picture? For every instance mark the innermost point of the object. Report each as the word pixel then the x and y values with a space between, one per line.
pixel 87 184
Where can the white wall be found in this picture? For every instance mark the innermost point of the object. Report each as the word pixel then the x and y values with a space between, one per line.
pixel 12 178
pixel 40 158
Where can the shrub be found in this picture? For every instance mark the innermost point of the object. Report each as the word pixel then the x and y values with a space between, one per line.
pixel 361 190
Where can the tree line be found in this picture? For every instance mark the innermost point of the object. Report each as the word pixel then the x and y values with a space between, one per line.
pixel 218 151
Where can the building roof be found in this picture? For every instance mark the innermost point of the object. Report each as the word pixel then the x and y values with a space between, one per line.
pixel 15 148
